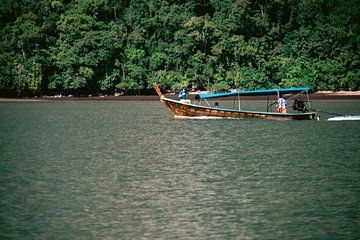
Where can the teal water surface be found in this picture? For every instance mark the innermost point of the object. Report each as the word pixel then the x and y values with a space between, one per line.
pixel 127 170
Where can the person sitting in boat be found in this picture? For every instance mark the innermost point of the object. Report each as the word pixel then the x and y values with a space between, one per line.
pixel 281 107
pixel 299 105
pixel 182 94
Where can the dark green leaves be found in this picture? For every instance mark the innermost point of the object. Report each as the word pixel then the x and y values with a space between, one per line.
pixel 90 46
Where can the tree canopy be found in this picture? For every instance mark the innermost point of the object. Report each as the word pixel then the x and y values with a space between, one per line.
pixel 91 46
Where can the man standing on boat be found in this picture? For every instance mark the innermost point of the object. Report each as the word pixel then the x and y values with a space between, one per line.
pixel 281 107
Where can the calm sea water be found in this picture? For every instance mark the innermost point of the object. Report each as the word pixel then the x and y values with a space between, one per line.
pixel 127 170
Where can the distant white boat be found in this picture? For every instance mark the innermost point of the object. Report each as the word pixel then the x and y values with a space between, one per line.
pixel 345 118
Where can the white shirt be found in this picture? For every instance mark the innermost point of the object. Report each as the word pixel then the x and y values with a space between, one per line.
pixel 281 103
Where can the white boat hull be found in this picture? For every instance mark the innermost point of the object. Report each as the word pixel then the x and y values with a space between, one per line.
pixel 345 118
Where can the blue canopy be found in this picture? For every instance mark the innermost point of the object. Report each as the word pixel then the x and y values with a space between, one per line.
pixel 253 93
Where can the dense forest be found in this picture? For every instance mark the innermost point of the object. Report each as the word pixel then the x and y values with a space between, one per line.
pixel 102 46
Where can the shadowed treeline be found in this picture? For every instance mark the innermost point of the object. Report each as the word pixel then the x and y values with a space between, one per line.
pixel 91 46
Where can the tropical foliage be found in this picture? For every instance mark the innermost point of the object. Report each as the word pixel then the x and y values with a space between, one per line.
pixel 90 46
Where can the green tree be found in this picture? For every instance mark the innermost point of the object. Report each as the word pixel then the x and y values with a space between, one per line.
pixel 134 69
pixel 87 46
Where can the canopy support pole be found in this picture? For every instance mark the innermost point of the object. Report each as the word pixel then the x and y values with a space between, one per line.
pixel 207 102
pixel 308 100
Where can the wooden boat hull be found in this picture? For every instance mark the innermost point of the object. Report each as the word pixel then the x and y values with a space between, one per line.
pixel 183 110
pixel 191 111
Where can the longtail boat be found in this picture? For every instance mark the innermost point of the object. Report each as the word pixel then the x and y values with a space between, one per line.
pixel 196 110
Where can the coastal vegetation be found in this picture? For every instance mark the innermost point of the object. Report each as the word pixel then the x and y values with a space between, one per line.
pixel 102 46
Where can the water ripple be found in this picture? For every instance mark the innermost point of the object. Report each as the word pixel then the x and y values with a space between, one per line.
pixel 127 170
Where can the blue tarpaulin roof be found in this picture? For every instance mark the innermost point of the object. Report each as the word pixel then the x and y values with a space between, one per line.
pixel 253 93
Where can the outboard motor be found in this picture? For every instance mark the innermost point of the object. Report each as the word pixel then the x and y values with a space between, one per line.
pixel 299 105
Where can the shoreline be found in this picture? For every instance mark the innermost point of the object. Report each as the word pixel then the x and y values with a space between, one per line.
pixel 323 95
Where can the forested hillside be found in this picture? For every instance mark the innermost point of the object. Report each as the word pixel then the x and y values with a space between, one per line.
pixel 92 46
